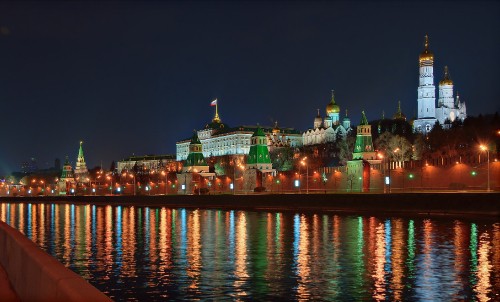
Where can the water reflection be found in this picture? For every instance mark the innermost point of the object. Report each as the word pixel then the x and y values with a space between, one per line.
pixel 140 253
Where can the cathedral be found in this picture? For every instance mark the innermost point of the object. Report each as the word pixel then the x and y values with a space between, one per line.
pixel 330 128
pixel 448 108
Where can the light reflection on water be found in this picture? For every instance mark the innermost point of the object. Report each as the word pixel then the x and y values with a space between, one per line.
pixel 141 253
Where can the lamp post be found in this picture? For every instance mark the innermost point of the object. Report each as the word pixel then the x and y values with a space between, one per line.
pixel 110 184
pixel 133 176
pixel 303 162
pixel 166 181
pixel 484 148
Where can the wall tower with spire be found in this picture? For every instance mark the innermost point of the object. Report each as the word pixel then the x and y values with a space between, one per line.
pixel 81 171
pixel 363 171
pixel 67 178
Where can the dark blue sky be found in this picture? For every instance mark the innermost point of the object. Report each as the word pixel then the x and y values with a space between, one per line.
pixel 135 77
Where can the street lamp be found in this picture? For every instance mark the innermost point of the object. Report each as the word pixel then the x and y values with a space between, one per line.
pixel 166 182
pixel 133 175
pixel 303 162
pixel 110 184
pixel 484 148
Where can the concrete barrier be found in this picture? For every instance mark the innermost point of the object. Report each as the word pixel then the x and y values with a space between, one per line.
pixel 37 276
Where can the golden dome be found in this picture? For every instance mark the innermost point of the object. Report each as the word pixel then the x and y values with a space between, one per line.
pixel 446 79
pixel 332 107
pixel 426 55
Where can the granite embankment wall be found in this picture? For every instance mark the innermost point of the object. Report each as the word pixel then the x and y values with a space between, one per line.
pixel 36 276
pixel 454 204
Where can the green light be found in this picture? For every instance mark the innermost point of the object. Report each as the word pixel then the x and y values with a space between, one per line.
pixel 473 173
pixel 277 181
pixel 410 176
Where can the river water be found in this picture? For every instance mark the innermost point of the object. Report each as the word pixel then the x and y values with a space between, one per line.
pixel 150 254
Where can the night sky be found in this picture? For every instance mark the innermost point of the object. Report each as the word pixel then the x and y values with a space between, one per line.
pixel 135 77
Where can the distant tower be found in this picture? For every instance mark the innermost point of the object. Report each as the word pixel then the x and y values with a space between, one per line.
pixel 67 178
pixel 446 90
pixel 195 169
pixel 361 170
pixel 317 121
pixel 258 157
pixel 258 161
pixel 363 148
pixel 426 91
pixel 399 114
pixel 195 161
pixel 81 171
pixel 446 103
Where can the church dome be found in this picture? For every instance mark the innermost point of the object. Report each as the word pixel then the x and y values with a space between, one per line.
pixel 332 107
pixel 446 78
pixel 426 55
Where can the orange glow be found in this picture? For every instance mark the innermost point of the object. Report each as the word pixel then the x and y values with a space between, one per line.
pixel 378 274
pixel 303 268
pixel 483 286
pixel 240 270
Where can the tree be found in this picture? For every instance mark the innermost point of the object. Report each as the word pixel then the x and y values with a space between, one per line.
pixel 419 147
pixel 282 158
pixel 346 147
pixel 395 147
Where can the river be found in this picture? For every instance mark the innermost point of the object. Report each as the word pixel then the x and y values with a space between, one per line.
pixel 158 253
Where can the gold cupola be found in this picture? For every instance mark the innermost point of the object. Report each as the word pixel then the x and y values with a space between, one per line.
pixel 446 78
pixel 332 107
pixel 426 55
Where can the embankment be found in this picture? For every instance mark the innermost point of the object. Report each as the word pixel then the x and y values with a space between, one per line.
pixel 36 276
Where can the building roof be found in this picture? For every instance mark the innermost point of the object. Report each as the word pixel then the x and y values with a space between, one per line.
pixel 150 157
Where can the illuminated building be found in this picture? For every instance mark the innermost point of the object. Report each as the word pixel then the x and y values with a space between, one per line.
pixel 219 139
pixel 330 129
pixel 67 178
pixel 258 161
pixel 364 158
pixel 195 169
pixel 447 109
pixel 147 163
pixel 81 171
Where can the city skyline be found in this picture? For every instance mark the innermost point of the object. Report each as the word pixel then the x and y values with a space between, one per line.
pixel 134 78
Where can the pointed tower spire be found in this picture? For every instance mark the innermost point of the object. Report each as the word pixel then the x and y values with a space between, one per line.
pixel 364 120
pixel 399 114
pixel 426 43
pixel 216 118
pixel 383 114
pixel 81 171
pixel 80 151
pixel 363 148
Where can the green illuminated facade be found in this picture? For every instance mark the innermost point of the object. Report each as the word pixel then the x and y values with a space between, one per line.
pixel 258 157
pixel 195 157
pixel 363 148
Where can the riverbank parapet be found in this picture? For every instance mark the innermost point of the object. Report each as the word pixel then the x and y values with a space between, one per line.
pixel 36 276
